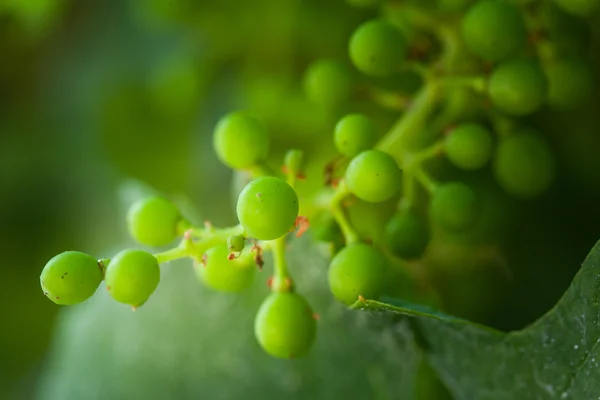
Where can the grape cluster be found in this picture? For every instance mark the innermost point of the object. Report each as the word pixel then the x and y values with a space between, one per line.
pixel 460 73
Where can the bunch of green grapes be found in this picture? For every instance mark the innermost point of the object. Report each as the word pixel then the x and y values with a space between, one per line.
pixel 460 74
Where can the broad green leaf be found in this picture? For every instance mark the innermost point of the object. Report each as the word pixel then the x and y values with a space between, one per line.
pixel 557 357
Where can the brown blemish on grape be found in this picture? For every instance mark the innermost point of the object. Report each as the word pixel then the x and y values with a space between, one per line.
pixel 259 196
pixel 57 298
pixel 316 316
pixel 361 298
pixel 270 282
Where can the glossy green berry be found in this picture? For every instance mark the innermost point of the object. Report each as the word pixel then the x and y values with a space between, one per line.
pixel 493 29
pixel 518 87
pixel 324 228
pixel 71 277
pixel 132 276
pixel 357 270
pixel 327 83
pixel 578 7
pixel 353 134
pixel 267 208
pixel 378 48
pixel 454 207
pixel 373 176
pixel 285 326
pixel 524 165
pixel 570 83
pixel 240 140
pixel 407 234
pixel 153 221
pixel 236 243
pixel 469 146
pixel 220 272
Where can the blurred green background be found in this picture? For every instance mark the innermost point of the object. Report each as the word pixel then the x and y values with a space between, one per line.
pixel 105 100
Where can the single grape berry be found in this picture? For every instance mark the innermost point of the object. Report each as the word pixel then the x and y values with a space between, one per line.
pixel 267 208
pixel 407 234
pixel 578 7
pixel 327 83
pixel 353 134
pixel 469 146
pixel 153 221
pixel 324 228
pixel 132 276
pixel 220 272
pixel 357 270
pixel 71 277
pixel 240 140
pixel 570 83
pixel 454 207
pixel 373 176
pixel 285 325
pixel 493 29
pixel 378 48
pixel 524 165
pixel 518 87
pixel 236 243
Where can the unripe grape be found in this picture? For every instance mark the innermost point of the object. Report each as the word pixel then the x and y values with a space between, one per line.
pixel 469 146
pixel 570 83
pixel 132 276
pixel 221 273
pixel 240 140
pixel 285 326
pixel 518 87
pixel 71 277
pixel 373 176
pixel 353 134
pixel 236 243
pixel 407 234
pixel 324 228
pixel 357 270
pixel 153 221
pixel 454 207
pixel 578 7
pixel 267 208
pixel 378 48
pixel 493 29
pixel 327 83
pixel 524 165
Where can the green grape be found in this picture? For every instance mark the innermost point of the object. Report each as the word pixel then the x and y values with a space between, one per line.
pixel 294 160
pixel 353 134
pixel 518 87
pixel 578 7
pixel 407 234
pixel 267 208
pixel 324 228
pixel 570 83
pixel 568 34
pixel 524 165
pixel 327 83
pixel 378 48
pixel 373 176
pixel 236 243
pixel 369 219
pixel 469 146
pixel 454 207
pixel 285 325
pixel 357 270
pixel 493 29
pixel 132 276
pixel 153 221
pixel 71 277
pixel 240 140
pixel 227 275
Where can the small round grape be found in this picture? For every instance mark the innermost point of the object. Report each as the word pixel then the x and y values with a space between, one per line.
pixel 327 83
pixel 357 270
pixel 407 234
pixel 132 276
pixel 267 208
pixel 153 221
pixel 285 326
pixel 353 134
pixel 220 272
pixel 71 277
pixel 570 83
pixel 240 140
pixel 378 48
pixel 454 207
pixel 236 243
pixel 469 146
pixel 373 176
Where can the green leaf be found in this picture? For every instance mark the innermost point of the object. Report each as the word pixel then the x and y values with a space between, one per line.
pixel 557 357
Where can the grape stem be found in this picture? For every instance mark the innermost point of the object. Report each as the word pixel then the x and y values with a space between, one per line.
pixel 282 280
pixel 350 235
